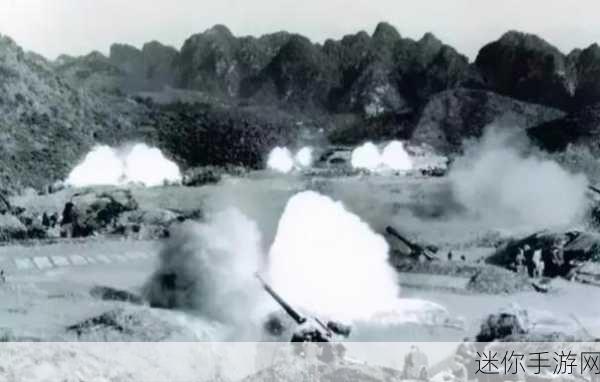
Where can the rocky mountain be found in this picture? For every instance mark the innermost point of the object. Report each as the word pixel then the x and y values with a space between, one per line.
pixel 369 75
pixel 223 99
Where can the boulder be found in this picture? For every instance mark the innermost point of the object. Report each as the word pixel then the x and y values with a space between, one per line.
pixel 92 212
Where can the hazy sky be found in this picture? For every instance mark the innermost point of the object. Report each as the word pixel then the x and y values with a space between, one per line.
pixel 51 27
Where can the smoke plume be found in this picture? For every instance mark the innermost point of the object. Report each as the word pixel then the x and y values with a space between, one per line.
pixel 208 268
pixel 280 159
pixel 140 163
pixel 394 157
pixel 498 180
pixel 329 262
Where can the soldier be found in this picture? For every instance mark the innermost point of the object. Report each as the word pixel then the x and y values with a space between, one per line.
pixel 520 261
pixel 2 276
pixel 45 220
pixel 416 364
pixel 558 253
pixel 538 264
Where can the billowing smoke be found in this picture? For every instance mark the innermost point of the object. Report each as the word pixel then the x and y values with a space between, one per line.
pixel 304 157
pixel 101 166
pixel 209 268
pixel 366 157
pixel 323 260
pixel 394 157
pixel 498 180
pixel 281 159
pixel 148 165
pixel 329 262
pixel 104 165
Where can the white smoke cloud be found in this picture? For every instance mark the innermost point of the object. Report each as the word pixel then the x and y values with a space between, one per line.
pixel 101 166
pixel 304 157
pixel 500 182
pixel 104 165
pixel 366 157
pixel 393 158
pixel 329 262
pixel 281 159
pixel 213 264
pixel 149 166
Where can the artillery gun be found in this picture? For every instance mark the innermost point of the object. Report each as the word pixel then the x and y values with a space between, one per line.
pixel 310 329
pixel 415 249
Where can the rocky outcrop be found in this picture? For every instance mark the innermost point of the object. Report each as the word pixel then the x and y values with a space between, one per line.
pixel 451 116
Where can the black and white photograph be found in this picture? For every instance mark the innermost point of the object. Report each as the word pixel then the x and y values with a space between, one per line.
pixel 277 190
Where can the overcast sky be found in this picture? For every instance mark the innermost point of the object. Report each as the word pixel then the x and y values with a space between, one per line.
pixel 75 27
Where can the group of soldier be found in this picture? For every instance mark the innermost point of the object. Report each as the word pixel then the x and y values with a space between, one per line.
pixel 538 264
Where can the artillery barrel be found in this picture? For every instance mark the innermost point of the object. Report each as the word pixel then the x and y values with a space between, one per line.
pixel 288 309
